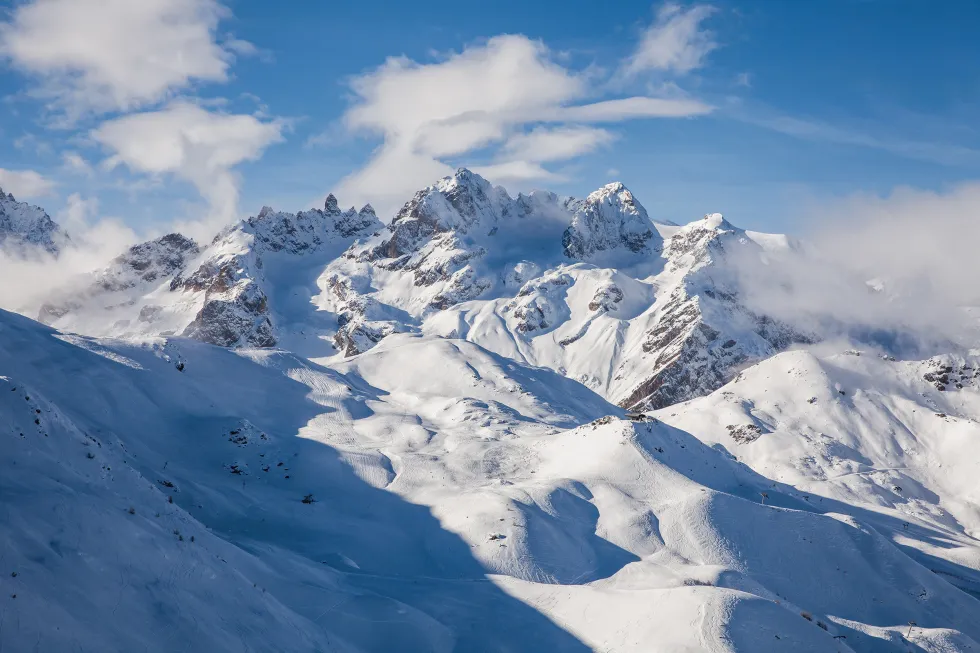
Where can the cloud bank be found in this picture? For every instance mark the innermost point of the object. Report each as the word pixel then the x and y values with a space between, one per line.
pixel 897 271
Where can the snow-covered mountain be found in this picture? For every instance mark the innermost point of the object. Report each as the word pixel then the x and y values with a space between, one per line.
pixel 217 293
pixel 593 289
pixel 24 225
pixel 323 432
pixel 640 312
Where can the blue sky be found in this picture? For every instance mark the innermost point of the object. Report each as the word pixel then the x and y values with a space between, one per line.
pixel 771 106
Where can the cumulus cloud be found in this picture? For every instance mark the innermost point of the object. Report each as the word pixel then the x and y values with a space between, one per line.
pixel 106 55
pixel 193 144
pixel 898 271
pixel 483 97
pixel 675 42
pixel 25 184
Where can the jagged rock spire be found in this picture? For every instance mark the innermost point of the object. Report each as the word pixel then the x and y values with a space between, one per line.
pixel 331 205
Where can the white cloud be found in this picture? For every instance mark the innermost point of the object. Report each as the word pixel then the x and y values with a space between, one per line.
pixel 194 144
pixel 465 101
pixel 675 42
pixel 76 164
pixel 25 184
pixel 633 107
pixel 103 55
pixel 477 100
pixel 918 246
pixel 554 144
pixel 516 172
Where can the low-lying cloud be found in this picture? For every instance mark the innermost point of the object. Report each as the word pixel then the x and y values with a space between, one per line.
pixel 897 271
pixel 33 275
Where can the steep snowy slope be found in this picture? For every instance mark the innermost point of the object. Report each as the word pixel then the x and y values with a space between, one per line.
pixel 219 293
pixel 24 226
pixel 428 495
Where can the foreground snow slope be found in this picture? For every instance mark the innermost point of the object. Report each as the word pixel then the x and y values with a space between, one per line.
pixel 455 501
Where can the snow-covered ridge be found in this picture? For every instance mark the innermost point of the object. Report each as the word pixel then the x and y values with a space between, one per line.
pixel 217 293
pixel 591 288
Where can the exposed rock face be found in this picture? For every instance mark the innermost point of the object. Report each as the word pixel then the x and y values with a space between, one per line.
pixel 463 239
pixel 540 303
pixel 24 225
pixel 306 231
pixel 218 293
pixel 609 218
pixel 148 262
pixel 702 335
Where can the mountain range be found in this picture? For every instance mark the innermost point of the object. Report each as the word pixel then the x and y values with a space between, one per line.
pixel 490 423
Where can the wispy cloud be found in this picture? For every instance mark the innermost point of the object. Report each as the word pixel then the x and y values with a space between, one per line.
pixel 675 42
pixel 949 154
pixel 25 184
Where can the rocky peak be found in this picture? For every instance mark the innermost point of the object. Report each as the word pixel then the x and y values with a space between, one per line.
pixel 608 218
pixel 23 226
pixel 453 203
pixel 309 230
pixel 695 243
pixel 167 252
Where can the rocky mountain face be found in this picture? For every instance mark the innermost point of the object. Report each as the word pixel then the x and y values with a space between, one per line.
pixel 640 312
pixel 610 218
pixel 701 335
pixel 24 225
pixel 217 293
pixel 463 239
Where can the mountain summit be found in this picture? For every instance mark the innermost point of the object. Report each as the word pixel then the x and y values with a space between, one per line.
pixel 24 226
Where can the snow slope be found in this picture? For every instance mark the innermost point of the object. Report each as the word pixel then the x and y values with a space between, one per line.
pixel 456 500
